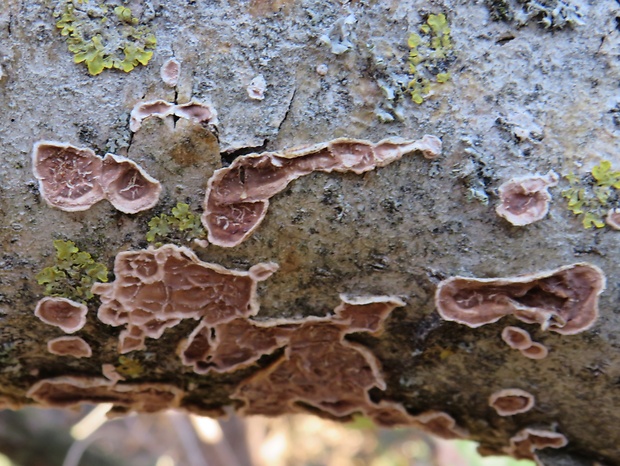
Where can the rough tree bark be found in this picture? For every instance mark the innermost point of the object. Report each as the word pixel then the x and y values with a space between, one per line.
pixel 530 86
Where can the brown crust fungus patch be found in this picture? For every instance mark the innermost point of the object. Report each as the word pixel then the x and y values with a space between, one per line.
pixel 69 391
pixel 74 179
pixel 68 315
pixel 564 300
pixel 238 196
pixel 70 346
pixel 155 289
pixel 524 444
pixel 519 339
pixel 525 200
pixel 511 401
pixel 68 175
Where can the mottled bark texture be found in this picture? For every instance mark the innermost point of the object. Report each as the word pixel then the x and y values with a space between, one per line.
pixel 512 88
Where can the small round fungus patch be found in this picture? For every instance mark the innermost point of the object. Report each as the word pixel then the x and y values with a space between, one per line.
pixel 170 71
pixel 511 401
pixel 525 200
pixel 63 313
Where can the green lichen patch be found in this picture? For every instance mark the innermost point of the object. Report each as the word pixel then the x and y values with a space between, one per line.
pixel 73 273
pixel 104 35
pixel 128 367
pixel 182 224
pixel 592 195
pixel 430 55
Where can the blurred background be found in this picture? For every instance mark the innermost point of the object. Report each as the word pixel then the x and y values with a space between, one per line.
pixel 48 437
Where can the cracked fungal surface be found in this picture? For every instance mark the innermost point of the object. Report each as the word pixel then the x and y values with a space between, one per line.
pixel 564 300
pixel 238 196
pixel 74 179
pixel 156 289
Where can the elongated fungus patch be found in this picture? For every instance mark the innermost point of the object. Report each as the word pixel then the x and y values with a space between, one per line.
pixel 63 313
pixel 525 200
pixel 196 112
pixel 70 346
pixel 238 196
pixel 564 300
pixel 73 179
pixel 157 288
pixel 525 443
pixel 69 391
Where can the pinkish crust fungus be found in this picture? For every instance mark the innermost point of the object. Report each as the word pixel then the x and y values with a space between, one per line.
pixel 527 441
pixel 110 373
pixel 320 371
pixel 238 196
pixel 613 218
pixel 68 391
pixel 564 300
pixel 70 346
pixel 256 88
pixel 67 175
pixel 535 351
pixel 511 401
pixel 127 186
pixel 74 179
pixel 157 288
pixel 63 313
pixel 519 339
pixel 153 108
pixel 170 71
pixel 197 112
pixel 516 337
pixel 525 200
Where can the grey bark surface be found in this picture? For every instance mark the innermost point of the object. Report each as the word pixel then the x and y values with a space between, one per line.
pixel 396 231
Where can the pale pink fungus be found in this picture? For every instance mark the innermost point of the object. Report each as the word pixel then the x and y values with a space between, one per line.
pixel 613 218
pixel 535 351
pixel 197 112
pixel 170 71
pixel 74 179
pixel 516 337
pixel 110 373
pixel 510 401
pixel 524 444
pixel 519 339
pixel 238 196
pixel 68 175
pixel 525 200
pixel 564 300
pixel 63 313
pixel 256 88
pixel 127 186
pixel 154 108
pixel 69 391
pixel 157 288
pixel 70 346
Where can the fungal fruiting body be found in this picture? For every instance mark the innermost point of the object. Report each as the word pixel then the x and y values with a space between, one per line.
pixel 525 200
pixel 63 313
pixel 238 196
pixel 68 175
pixel 519 339
pixel 70 346
pixel 524 444
pixel 170 71
pixel 564 300
pixel 157 288
pixel 613 218
pixel 511 401
pixel 196 112
pixel 70 391
pixel 74 179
